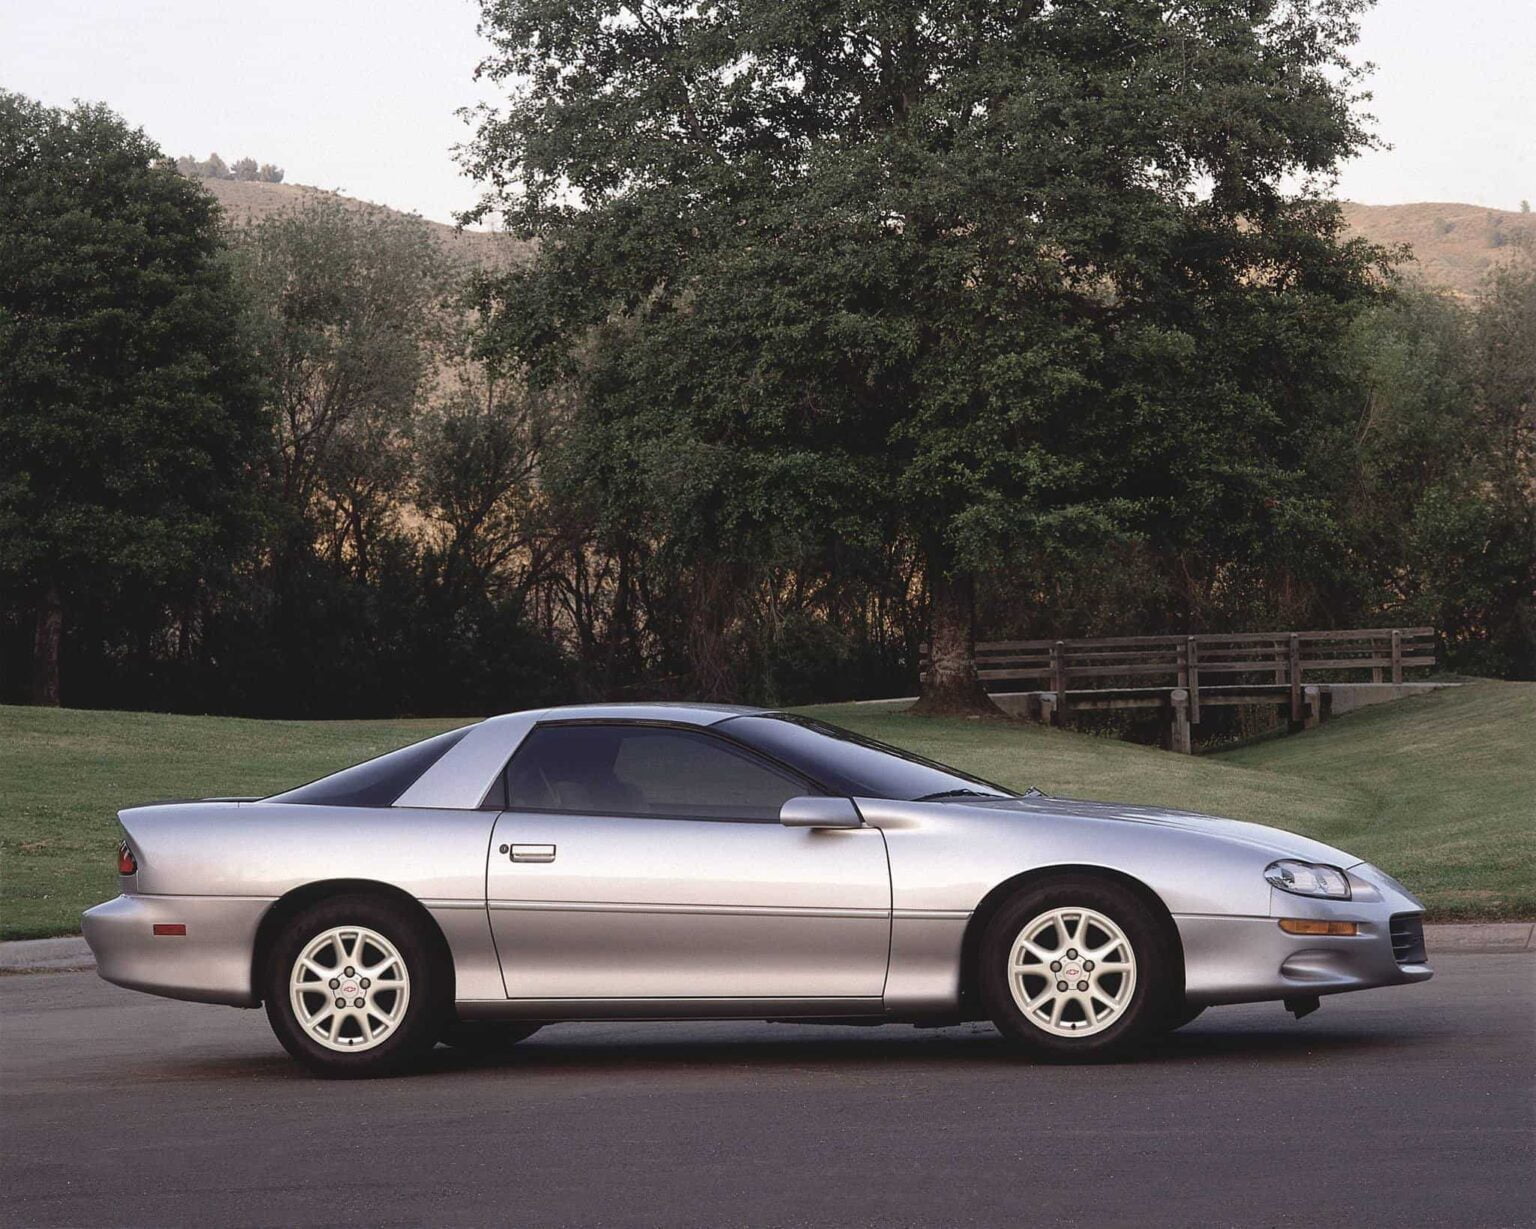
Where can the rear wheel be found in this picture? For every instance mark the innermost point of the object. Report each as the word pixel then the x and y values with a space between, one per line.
pixel 1077 968
pixel 354 986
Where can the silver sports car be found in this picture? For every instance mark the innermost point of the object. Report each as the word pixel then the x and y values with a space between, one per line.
pixel 665 862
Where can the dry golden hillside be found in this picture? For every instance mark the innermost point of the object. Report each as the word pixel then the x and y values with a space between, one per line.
pixel 1454 246
pixel 248 201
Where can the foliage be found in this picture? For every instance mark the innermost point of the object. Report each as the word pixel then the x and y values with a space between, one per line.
pixel 129 418
pixel 342 314
pixel 214 167
pixel 992 280
pixel 1439 498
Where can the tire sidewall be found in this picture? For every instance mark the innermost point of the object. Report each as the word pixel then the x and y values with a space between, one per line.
pixel 1157 982
pixel 429 1001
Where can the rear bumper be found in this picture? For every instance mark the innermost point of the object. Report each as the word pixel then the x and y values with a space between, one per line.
pixel 210 963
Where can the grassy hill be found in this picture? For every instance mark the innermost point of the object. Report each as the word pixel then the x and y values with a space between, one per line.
pixel 1455 246
pixel 1440 791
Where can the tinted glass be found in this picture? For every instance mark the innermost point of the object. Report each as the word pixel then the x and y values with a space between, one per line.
pixel 377 782
pixel 849 763
pixel 644 770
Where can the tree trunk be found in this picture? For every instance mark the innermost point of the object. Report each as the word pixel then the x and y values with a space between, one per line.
pixel 46 644
pixel 952 686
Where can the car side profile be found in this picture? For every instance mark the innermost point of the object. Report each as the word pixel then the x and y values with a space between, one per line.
pixel 668 862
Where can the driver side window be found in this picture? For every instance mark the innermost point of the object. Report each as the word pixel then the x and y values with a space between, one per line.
pixel 644 770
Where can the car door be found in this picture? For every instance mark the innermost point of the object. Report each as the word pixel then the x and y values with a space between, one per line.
pixel 646 861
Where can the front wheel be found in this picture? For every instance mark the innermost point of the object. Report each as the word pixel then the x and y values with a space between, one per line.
pixel 1077 968
pixel 355 987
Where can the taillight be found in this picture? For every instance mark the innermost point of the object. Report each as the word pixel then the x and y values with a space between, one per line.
pixel 127 864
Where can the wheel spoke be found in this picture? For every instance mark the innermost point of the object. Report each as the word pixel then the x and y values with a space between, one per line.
pixel 1078 931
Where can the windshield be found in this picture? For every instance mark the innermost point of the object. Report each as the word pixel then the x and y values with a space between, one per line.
pixel 851 764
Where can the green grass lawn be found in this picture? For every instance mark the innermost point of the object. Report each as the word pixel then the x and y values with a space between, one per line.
pixel 1439 790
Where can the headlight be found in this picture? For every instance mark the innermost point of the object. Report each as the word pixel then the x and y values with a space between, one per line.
pixel 1308 879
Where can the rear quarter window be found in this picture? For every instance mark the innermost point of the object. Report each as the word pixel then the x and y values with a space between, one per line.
pixel 376 782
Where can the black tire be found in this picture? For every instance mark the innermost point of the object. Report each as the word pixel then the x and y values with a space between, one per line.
pixel 430 992
pixel 486 1036
pixel 1157 983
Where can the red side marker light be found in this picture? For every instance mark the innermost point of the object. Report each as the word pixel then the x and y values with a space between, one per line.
pixel 127 864
pixel 170 928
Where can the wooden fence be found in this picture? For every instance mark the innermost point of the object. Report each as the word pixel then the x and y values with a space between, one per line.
pixel 1226 668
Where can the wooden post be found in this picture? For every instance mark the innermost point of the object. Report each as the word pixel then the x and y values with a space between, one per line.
pixel 1179 739
pixel 1295 677
pixel 1192 661
pixel 1397 655
pixel 1059 679
pixel 1279 661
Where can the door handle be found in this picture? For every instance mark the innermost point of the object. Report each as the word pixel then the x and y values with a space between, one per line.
pixel 533 853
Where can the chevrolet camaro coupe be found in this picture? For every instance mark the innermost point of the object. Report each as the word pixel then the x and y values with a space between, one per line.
pixel 669 862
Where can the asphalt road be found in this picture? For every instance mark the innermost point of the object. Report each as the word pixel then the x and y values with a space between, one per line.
pixel 1409 1106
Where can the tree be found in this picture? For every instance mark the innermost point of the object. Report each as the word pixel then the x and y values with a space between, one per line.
pixel 129 420
pixel 997 280
pixel 246 169
pixel 270 173
pixel 344 305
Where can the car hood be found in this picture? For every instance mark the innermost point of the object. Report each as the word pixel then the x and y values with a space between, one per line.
pixel 1275 841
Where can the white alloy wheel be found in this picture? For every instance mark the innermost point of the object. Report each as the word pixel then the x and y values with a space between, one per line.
pixel 349 988
pixel 1072 972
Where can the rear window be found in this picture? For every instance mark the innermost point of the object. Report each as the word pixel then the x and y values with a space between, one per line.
pixel 376 782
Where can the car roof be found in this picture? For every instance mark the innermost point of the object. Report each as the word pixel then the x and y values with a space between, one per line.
pixel 681 712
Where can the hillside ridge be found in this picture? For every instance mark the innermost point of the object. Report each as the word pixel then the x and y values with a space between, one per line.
pixel 1455 245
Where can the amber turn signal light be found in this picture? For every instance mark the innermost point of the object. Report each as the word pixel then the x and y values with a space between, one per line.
pixel 1311 926
pixel 127 864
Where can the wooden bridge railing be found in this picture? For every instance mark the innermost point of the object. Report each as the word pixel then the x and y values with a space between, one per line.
pixel 1226 667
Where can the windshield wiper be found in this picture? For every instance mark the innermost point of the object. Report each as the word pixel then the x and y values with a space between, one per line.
pixel 957 793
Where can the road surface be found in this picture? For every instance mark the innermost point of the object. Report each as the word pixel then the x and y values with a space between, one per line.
pixel 1409 1106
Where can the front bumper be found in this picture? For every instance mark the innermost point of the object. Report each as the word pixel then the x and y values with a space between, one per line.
pixel 210 963
pixel 1251 960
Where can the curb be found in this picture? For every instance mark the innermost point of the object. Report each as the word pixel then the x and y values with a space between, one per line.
pixel 46 956
pixel 1453 938
pixel 1445 939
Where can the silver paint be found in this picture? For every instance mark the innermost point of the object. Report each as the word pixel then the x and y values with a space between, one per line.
pixel 650 918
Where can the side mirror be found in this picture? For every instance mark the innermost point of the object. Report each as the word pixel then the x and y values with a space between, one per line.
pixel 814 812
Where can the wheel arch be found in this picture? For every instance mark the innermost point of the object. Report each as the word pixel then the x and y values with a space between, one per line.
pixel 976 927
pixel 300 898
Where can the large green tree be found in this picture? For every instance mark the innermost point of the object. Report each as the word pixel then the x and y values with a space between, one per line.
pixel 998 278
pixel 344 313
pixel 129 420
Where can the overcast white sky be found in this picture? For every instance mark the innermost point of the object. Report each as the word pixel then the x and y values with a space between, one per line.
pixel 360 95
